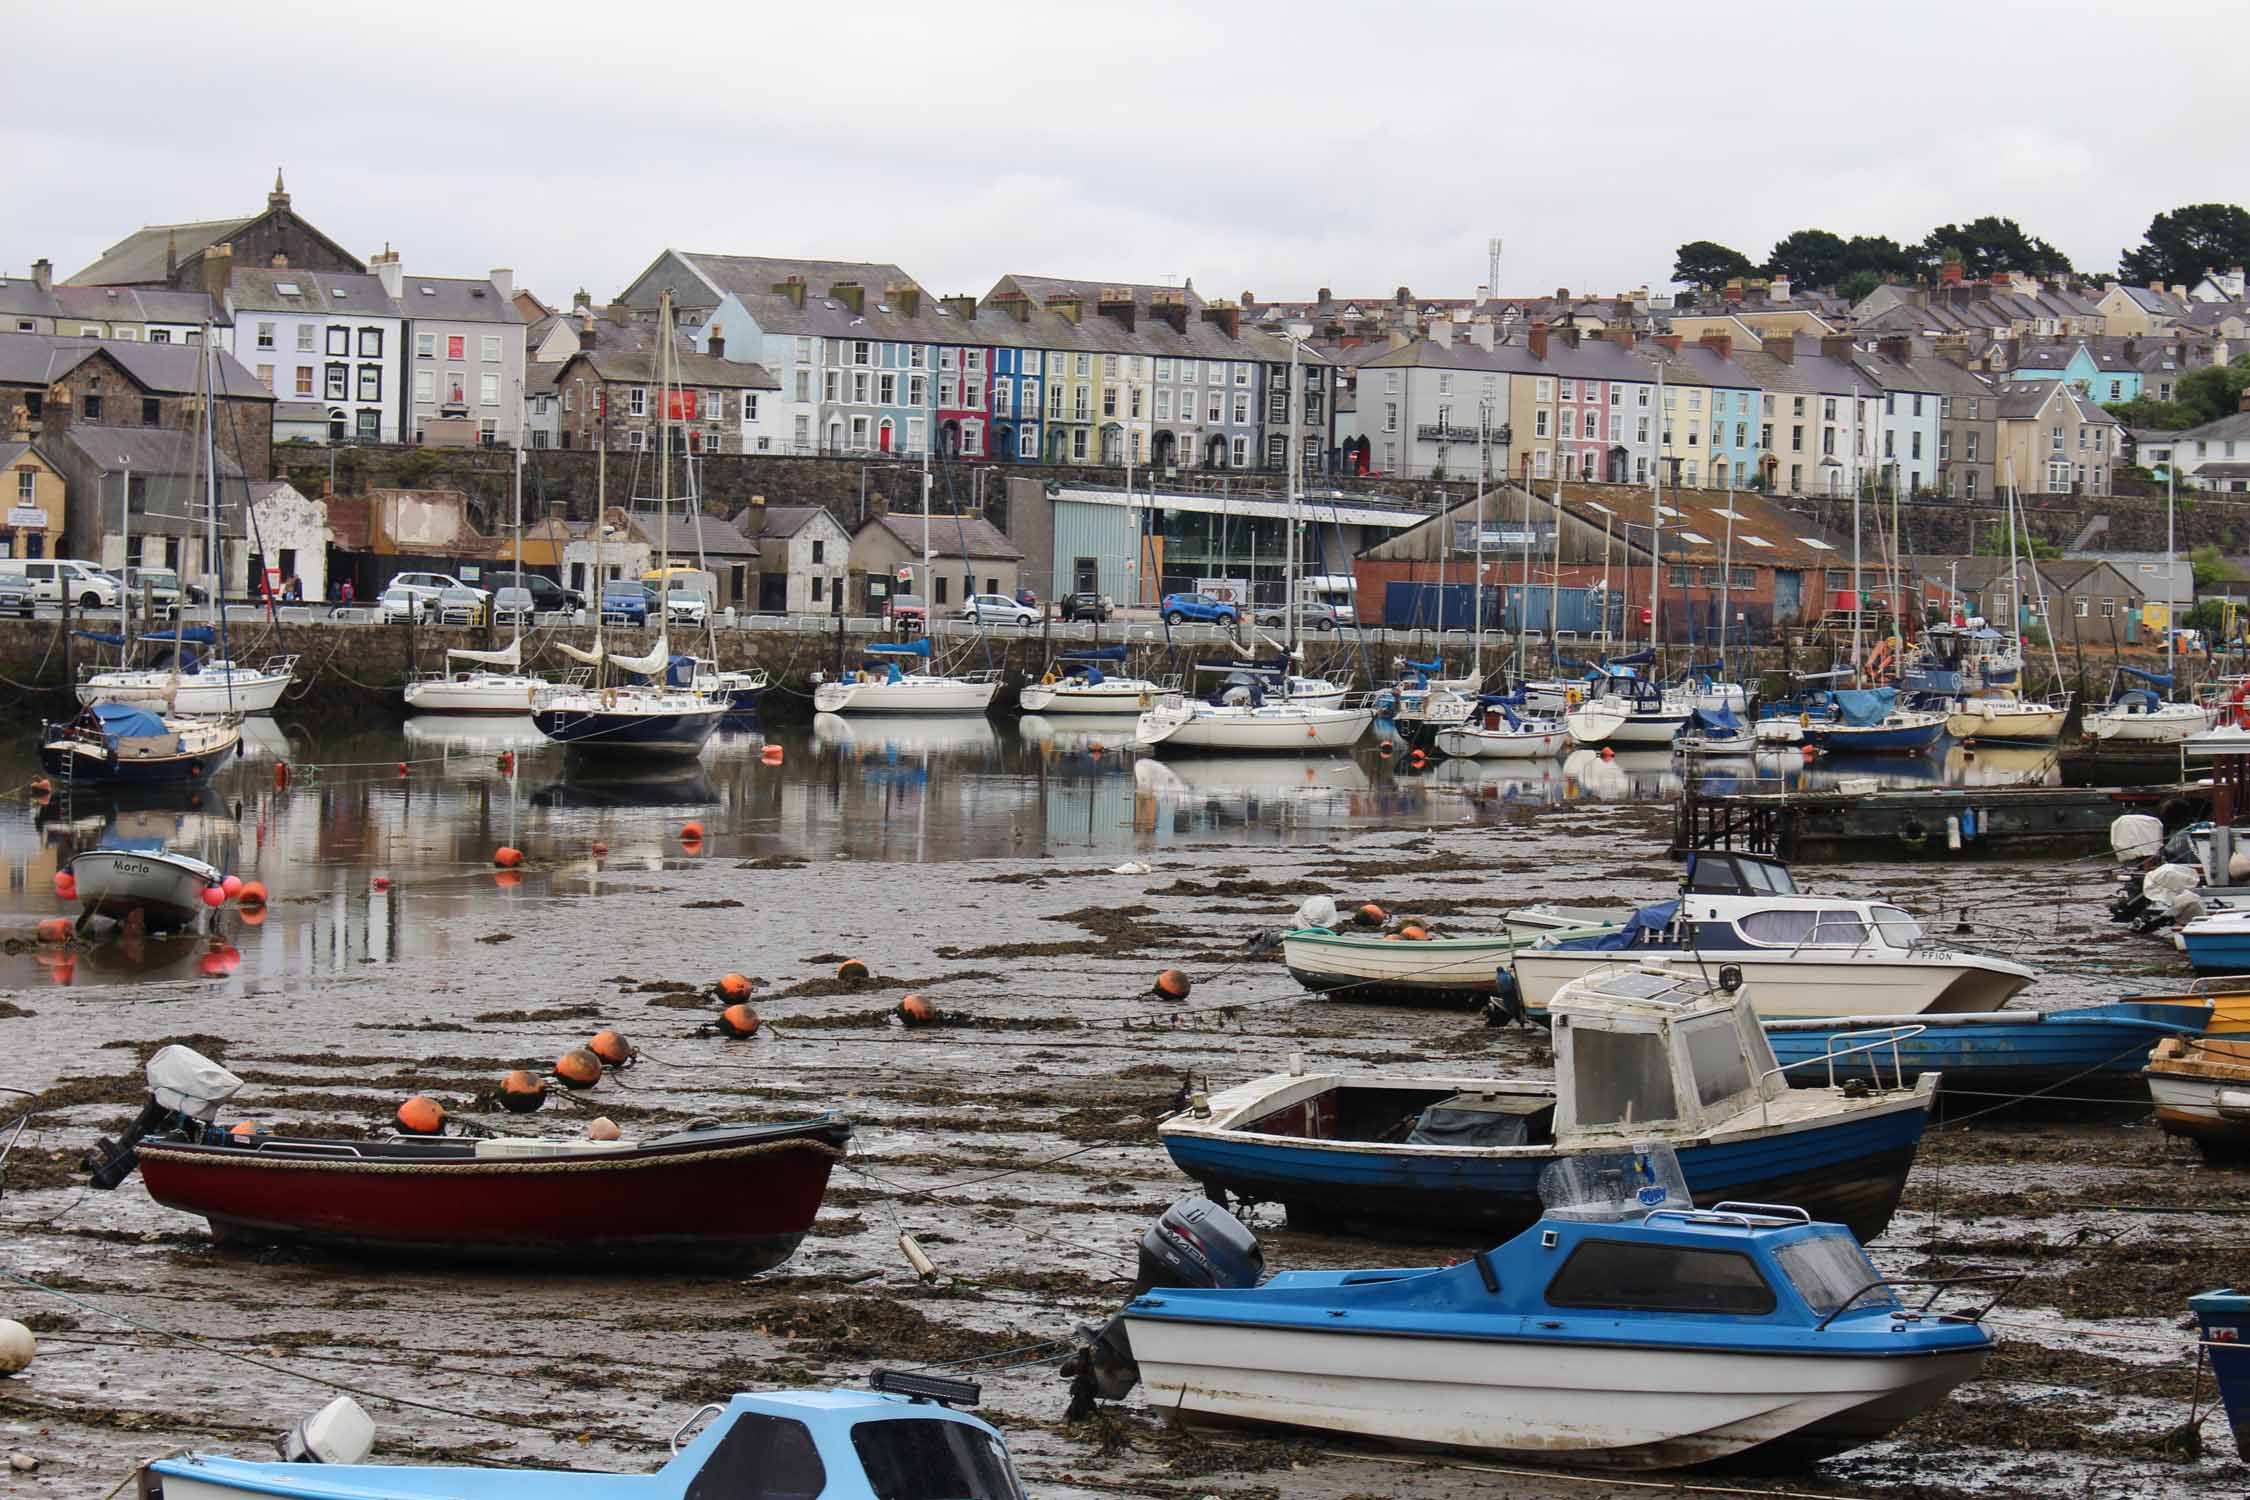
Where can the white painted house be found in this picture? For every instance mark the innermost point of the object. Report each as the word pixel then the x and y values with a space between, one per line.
pixel 327 336
pixel 289 531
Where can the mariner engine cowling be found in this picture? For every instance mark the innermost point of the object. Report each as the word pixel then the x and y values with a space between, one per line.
pixel 1194 1243
pixel 184 1088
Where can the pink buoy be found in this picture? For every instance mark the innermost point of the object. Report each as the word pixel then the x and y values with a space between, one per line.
pixel 214 896
pixel 232 885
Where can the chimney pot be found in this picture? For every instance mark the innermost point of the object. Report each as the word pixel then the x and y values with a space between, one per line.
pixel 1325 297
pixel 717 342
pixel 1718 343
pixel 1537 338
pixel 43 274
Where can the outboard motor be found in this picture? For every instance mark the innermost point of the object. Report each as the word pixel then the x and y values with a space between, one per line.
pixel 1195 1243
pixel 185 1090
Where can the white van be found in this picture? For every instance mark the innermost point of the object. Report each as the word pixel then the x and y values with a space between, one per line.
pixel 51 578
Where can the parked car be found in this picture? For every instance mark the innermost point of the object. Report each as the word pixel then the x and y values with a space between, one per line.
pixel 625 601
pixel 547 596
pixel 407 601
pixel 461 605
pixel 513 605
pixel 160 586
pixel 998 609
pixel 1180 608
pixel 1027 596
pixel 16 596
pixel 1309 617
pixel 908 609
pixel 684 602
pixel 437 583
pixel 1093 607
pixel 52 579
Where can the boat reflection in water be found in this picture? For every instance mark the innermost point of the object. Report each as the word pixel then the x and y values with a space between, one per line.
pixel 471 734
pixel 964 736
pixel 1651 775
pixel 1535 783
pixel 594 784
pixel 1076 736
pixel 2003 765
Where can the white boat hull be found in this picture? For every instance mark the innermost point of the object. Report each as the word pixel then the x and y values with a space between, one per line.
pixel 1472 743
pixel 1439 966
pixel 167 888
pixel 1782 986
pixel 1616 1404
pixel 1113 696
pixel 912 694
pixel 1990 722
pixel 473 693
pixel 1594 725
pixel 2170 724
pixel 1277 727
pixel 241 690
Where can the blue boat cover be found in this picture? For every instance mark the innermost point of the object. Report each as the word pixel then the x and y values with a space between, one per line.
pixel 1637 659
pixel 123 721
pixel 2153 679
pixel 1717 723
pixel 1648 919
pixel 1862 707
pixel 2139 698
pixel 1423 666
pixel 102 636
pixel 909 648
pixel 1096 653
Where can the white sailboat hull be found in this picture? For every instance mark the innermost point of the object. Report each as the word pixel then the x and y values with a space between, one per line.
pixel 1279 727
pixel 1781 985
pixel 1115 696
pixel 1597 725
pixel 473 693
pixel 1473 743
pixel 1634 1407
pixel 167 888
pixel 2168 724
pixel 235 690
pixel 912 694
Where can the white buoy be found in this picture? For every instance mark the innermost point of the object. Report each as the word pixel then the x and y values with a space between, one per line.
pixel 1317 911
pixel 17 1347
pixel 914 1256
pixel 1953 832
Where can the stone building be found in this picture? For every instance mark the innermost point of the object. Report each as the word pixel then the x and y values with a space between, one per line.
pixel 180 256
pixel 49 385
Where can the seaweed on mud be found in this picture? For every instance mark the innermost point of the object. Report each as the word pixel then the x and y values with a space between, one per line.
pixel 550 1013
pixel 721 904
pixel 772 862
pixel 213 1047
pixel 10 1011
pixel 493 938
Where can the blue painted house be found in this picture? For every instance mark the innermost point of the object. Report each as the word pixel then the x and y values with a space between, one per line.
pixel 2101 374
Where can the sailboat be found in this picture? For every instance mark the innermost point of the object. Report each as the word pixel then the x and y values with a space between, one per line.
pixel 489 682
pixel 663 715
pixel 2138 715
pixel 1976 670
pixel 1499 727
pixel 1076 682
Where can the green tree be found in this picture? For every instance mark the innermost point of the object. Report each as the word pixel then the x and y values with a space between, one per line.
pixel 2147 411
pixel 2211 567
pixel 1708 263
pixel 2214 391
pixel 1880 254
pixel 2183 244
pixel 1990 245
pixel 1858 285
pixel 1810 257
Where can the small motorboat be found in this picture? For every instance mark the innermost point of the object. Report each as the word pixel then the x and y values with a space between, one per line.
pixel 2223 1327
pixel 1804 954
pixel 1627 710
pixel 734 1196
pixel 2141 715
pixel 1715 734
pixel 1389 967
pixel 2201 1086
pixel 123 744
pixel 1624 1328
pixel 2217 943
pixel 2091 1048
pixel 741 690
pixel 1649 1053
pixel 901 1437
pixel 123 876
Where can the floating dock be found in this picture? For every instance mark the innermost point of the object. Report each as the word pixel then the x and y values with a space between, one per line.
pixel 1945 823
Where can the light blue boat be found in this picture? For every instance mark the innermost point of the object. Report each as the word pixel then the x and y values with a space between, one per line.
pixel 2218 943
pixel 2223 1318
pixel 897 1440
pixel 2092 1048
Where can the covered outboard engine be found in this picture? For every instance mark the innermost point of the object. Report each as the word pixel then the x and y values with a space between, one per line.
pixel 1195 1243
pixel 185 1090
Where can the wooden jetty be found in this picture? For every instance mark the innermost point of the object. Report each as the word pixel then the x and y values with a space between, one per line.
pixel 1938 823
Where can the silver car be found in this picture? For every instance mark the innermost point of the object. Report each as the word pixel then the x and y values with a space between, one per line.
pixel 512 606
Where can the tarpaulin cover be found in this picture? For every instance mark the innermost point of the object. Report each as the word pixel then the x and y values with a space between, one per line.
pixel 1637 659
pixel 123 721
pixel 1717 723
pixel 1422 666
pixel 2153 679
pixel 103 636
pixel 1096 653
pixel 1861 707
pixel 910 648
pixel 1648 919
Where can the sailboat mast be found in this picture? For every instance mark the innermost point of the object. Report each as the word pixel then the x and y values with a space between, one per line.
pixel 1554 577
pixel 601 515
pixel 1289 596
pixel 2171 584
pixel 1656 516
pixel 1726 578
pixel 1484 491
pixel 1858 604
pixel 520 418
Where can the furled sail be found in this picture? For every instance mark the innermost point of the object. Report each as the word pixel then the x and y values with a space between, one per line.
pixel 645 666
pixel 593 658
pixel 512 658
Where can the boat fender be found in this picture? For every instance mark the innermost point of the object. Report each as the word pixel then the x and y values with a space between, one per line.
pixel 17 1347
pixel 602 1128
pixel 1968 822
pixel 1371 915
pixel 915 1258
pixel 1484 1270
pixel 852 971
pixel 1953 833
pixel 1507 998
pixel 1913 835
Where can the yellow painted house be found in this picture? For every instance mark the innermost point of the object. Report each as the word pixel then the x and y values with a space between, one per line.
pixel 34 496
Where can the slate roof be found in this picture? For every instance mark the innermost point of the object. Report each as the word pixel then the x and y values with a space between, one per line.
pixel 2233 427
pixel 719 538
pixel 2021 400
pixel 946 536
pixel 318 293
pixel 2056 574
pixel 11 453
pixel 781 521
pixel 540 376
pixel 126 304
pixel 20 297
pixel 2232 470
pixel 172 369
pixel 638 364
pixel 2154 301
pixel 456 299
pixel 140 255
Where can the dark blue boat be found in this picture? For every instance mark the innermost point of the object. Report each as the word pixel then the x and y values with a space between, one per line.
pixel 2223 1318
pixel 1869 721
pixel 120 745
pixel 2094 1047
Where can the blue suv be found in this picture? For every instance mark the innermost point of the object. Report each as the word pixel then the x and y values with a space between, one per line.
pixel 1183 607
pixel 623 599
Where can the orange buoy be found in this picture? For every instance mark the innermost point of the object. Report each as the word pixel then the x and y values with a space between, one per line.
pixel 1809 752
pixel 243 1130
pixel 253 893
pixel 232 885
pixel 1311 733
pixel 421 1115
pixel 253 916
pixel 66 885
pixel 507 858
pixel 735 986
pixel 916 1010
pixel 507 880
pixel 214 895
pixel 1414 932
pixel 1384 746
pixel 1371 915
pixel 852 971
pixel 771 755
pixel 1173 984
pixel 1390 937
pixel 402 768
pixel 611 1047
pixel 522 1092
pixel 64 969
pixel 691 832
pixel 738 1021
pixel 1608 754
pixel 280 774
pixel 578 1069
pixel 599 848
pixel 1417 757
pixel 42 788
pixel 54 930
pixel 382 882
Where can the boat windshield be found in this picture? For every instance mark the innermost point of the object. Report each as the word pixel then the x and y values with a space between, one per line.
pixel 1620 1078
pixel 916 1458
pixel 1827 1269
pixel 1898 929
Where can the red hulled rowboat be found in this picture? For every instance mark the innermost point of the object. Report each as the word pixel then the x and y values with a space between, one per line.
pixel 733 1196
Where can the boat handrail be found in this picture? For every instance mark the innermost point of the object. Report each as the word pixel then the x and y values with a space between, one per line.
pixel 1937 1286
pixel 1878 1037
pixel 1744 1215
pixel 308 1148
pixel 1764 1210
pixel 709 1407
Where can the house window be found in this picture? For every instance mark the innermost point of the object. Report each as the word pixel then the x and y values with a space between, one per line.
pixel 1593 424
pixel 369 425
pixel 1078 444
pixel 972 394
pixel 1163 404
pixel 488 390
pixel 265 376
pixel 1083 366
pixel 749 407
pixel 938 583
pixel 1541 462
pixel 425 346
pixel 1240 451
pixel 2054 440
pixel 1538 423
pixel 1031 361
pixel 336 381
pixel 370 382
pixel 1241 408
pixel 425 388
pixel 1082 403
pixel 1914 446
pixel 636 401
pixel 1027 444
pixel 863 352
pixel 634 438
pixel 265 335
pixel 339 339
pixel 859 433
pixel 861 387
pixel 456 346
pixel 1390 416
pixel 371 343
pixel 304 380
pixel 152 411
pixel 972 437
pixel 491 350
pixel 1054 402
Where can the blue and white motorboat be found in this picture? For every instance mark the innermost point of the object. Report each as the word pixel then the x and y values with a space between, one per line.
pixel 1715 734
pixel 127 745
pixel 1652 1053
pixel 899 1439
pixel 1624 1328
pixel 2092 1048
pixel 1803 953
pixel 1869 721
pixel 2218 943
pixel 1627 709
pixel 2222 1320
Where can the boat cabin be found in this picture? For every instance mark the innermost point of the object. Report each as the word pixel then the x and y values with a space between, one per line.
pixel 1648 1047
pixel 1748 903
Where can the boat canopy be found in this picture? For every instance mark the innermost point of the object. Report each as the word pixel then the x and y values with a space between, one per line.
pixel 1096 653
pixel 1637 659
pixel 1647 919
pixel 1635 1049
pixel 1428 668
pixel 908 648
pixel 1245 664
pixel 1862 707
pixel 2160 680
pixel 122 721
pixel 2138 700
pixel 99 637
pixel 1717 723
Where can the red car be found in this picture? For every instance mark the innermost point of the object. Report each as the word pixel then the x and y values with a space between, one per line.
pixel 908 609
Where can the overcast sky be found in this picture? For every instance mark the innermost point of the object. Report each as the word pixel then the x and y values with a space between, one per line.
pixel 1270 147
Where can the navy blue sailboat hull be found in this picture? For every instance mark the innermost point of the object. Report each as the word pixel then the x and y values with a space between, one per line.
pixel 601 733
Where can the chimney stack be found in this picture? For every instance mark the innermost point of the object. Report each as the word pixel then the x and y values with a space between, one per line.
pixel 1227 316
pixel 1323 298
pixel 1570 335
pixel 504 279
pixel 619 314
pixel 1169 304
pixel 1718 343
pixel 1537 338
pixel 1837 346
pixel 850 293
pixel 384 263
pixel 905 297
pixel 1778 289
pixel 1671 341
pixel 1064 306
pixel 1116 302
pixel 218 271
pixel 1622 336
pixel 1782 346
pixel 1402 297
pixel 585 328
pixel 1896 346
pixel 715 344
pixel 793 289
pixel 43 274
pixel 1480 334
